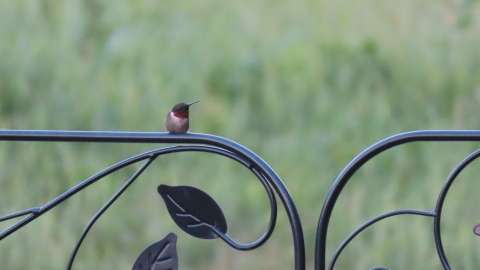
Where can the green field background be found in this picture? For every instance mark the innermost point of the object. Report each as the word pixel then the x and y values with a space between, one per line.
pixel 306 84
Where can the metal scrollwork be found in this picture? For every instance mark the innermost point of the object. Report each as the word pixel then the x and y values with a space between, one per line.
pixel 440 203
pixel 205 224
pixel 381 146
pixel 208 221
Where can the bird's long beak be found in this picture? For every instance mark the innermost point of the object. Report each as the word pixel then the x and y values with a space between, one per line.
pixel 190 104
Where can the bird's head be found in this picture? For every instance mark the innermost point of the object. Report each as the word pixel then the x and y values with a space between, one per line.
pixel 181 109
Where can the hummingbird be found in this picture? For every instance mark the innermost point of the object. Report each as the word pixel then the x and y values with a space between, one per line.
pixel 177 119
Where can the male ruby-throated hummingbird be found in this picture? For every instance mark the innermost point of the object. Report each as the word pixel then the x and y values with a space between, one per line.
pixel 177 119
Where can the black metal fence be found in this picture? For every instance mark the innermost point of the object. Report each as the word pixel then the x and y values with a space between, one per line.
pixel 196 213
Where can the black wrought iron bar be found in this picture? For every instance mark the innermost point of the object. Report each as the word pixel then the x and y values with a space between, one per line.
pixel 104 208
pixel 358 161
pixel 370 222
pixel 70 192
pixel 20 213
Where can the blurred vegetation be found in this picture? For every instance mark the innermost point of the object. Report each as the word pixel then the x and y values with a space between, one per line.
pixel 306 84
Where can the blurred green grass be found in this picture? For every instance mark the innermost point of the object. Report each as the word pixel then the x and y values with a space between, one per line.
pixel 306 84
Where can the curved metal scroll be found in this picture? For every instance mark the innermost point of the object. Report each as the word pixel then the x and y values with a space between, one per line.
pixel 199 143
pixel 369 223
pixel 345 175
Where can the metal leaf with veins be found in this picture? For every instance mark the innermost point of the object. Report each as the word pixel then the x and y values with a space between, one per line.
pixel 159 256
pixel 194 211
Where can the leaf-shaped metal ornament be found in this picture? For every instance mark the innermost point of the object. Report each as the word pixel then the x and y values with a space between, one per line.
pixel 476 230
pixel 159 256
pixel 194 211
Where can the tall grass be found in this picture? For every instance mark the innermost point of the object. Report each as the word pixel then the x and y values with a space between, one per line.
pixel 306 84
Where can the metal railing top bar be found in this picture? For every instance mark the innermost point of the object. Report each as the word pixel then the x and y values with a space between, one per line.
pixel 165 137
pixel 109 136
